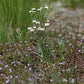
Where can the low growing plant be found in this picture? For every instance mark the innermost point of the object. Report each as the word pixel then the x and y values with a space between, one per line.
pixel 44 49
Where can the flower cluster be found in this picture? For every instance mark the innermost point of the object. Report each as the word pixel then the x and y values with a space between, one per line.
pixel 37 25
pixel 33 10
pixel 32 29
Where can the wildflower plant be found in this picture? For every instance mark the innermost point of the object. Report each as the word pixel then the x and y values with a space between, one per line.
pixel 44 49
pixel 16 16
pixel 54 77
pixel 34 56
pixel 60 49
pixel 39 22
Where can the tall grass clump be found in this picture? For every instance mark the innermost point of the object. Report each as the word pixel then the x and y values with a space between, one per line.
pixel 15 12
pixel 15 17
pixel 44 49
pixel 60 49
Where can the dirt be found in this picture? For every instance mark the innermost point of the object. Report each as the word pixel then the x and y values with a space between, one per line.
pixel 74 18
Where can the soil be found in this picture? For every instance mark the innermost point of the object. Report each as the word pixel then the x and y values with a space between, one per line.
pixel 74 18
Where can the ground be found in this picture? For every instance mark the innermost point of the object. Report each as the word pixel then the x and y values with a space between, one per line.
pixel 74 18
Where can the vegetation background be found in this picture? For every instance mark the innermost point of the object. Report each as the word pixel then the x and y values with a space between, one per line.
pixel 32 54
pixel 14 16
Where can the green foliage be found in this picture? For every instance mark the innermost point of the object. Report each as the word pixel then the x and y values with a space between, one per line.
pixel 15 18
pixel 54 77
pixel 16 11
pixel 44 49
pixel 73 3
pixel 60 49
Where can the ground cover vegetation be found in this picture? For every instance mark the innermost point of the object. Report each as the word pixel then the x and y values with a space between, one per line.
pixel 28 52
pixel 71 3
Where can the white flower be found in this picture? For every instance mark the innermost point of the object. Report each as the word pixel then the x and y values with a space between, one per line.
pixel 41 29
pixel 39 9
pixel 33 8
pixel 30 11
pixel 37 22
pixel 47 20
pixel 32 30
pixel 29 28
pixel 47 24
pixel 34 21
pixel 33 11
pixel 46 7
pixel 34 27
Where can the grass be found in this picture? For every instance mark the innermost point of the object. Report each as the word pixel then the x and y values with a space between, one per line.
pixel 73 3
pixel 15 18
pixel 27 54
pixel 44 49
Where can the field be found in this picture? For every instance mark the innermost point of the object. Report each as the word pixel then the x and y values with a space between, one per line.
pixel 41 44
